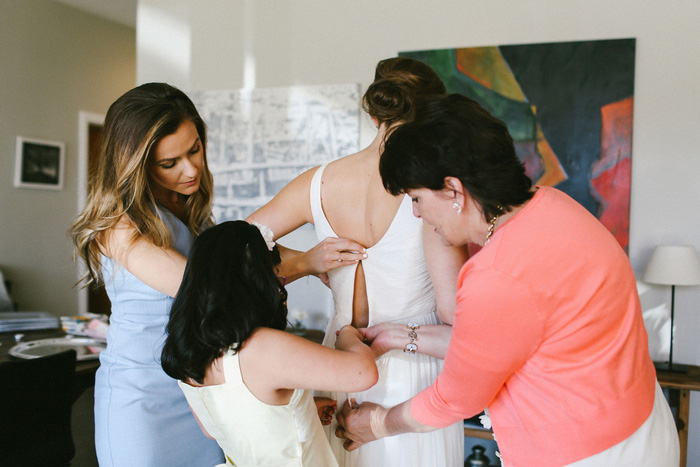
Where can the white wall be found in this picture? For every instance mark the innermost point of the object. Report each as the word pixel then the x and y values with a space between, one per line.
pixel 54 62
pixel 330 41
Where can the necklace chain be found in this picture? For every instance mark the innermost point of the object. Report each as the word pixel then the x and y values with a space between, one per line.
pixel 492 225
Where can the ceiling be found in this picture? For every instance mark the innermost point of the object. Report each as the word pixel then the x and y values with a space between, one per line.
pixel 119 11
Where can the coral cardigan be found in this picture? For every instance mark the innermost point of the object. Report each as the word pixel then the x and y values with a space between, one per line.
pixel 548 334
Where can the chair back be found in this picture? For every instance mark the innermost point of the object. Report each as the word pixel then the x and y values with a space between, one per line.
pixel 36 398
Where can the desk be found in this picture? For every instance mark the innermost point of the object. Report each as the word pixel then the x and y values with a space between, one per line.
pixel 679 386
pixel 84 370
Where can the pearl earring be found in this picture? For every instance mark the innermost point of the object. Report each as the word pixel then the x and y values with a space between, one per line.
pixel 457 208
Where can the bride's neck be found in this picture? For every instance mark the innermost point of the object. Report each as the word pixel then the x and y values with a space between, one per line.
pixel 376 146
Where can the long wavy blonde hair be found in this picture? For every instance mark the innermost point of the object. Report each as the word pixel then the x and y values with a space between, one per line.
pixel 120 185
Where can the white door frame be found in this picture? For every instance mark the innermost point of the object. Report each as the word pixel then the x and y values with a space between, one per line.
pixel 85 119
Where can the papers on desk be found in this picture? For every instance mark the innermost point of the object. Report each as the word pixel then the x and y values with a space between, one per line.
pixel 85 326
pixel 27 321
pixel 85 348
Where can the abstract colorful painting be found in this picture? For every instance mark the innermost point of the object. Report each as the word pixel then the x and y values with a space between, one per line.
pixel 568 107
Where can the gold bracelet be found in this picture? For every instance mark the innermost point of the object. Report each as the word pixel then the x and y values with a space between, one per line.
pixel 411 347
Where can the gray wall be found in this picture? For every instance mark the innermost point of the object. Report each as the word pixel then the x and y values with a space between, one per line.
pixel 55 61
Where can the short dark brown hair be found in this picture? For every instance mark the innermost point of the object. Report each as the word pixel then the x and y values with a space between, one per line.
pixel 454 136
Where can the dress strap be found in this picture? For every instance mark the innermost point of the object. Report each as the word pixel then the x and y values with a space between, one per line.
pixel 232 367
pixel 323 227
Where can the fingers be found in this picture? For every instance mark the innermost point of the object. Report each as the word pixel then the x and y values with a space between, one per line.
pixel 350 445
pixel 343 244
pixel 326 415
pixel 340 258
pixel 369 334
pixel 367 338
pixel 349 406
pixel 326 408
pixel 325 402
pixel 324 278
pixel 342 252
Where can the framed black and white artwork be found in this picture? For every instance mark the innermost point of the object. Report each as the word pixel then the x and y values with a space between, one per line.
pixel 39 163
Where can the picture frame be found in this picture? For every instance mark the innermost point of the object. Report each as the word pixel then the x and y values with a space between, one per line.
pixel 39 163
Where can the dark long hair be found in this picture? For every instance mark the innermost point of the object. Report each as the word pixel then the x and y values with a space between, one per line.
pixel 454 136
pixel 229 289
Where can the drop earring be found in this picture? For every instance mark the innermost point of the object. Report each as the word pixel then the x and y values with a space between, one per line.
pixel 457 207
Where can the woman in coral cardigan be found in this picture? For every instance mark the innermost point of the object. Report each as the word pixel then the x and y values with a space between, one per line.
pixel 548 331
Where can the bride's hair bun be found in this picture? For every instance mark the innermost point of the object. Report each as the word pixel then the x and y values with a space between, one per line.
pixel 399 84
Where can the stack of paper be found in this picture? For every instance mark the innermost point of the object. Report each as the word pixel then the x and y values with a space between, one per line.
pixel 27 321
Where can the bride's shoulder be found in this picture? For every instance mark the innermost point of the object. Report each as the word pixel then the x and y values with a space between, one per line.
pixel 349 169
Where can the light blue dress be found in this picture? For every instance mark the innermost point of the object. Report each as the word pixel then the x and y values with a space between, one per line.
pixel 141 416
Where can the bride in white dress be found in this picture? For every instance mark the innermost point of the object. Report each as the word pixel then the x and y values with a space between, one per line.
pixel 383 274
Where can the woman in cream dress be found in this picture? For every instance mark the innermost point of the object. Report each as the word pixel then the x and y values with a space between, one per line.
pixel 245 378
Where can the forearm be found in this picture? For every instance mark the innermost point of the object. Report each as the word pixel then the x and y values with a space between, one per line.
pixel 431 340
pixel 444 264
pixel 397 420
pixel 293 265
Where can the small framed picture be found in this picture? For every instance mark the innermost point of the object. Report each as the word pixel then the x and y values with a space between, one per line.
pixel 39 163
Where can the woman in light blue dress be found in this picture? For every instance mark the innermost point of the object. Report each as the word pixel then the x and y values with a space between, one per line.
pixel 148 198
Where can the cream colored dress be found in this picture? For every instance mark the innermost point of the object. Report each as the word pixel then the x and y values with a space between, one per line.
pixel 399 290
pixel 253 433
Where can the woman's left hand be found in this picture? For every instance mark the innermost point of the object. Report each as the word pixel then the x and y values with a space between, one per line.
pixel 332 253
pixel 326 407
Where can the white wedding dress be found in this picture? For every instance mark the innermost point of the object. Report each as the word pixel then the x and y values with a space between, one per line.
pixel 399 290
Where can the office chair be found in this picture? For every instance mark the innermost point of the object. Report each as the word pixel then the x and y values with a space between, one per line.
pixel 36 398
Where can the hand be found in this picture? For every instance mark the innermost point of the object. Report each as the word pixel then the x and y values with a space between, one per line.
pixel 355 423
pixel 384 337
pixel 325 279
pixel 326 407
pixel 325 256
pixel 347 337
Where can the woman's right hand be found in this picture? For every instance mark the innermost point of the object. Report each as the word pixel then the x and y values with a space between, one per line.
pixel 384 337
pixel 333 253
pixel 431 339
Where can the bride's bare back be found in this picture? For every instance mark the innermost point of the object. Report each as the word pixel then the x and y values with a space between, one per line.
pixel 359 208
pixel 353 198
